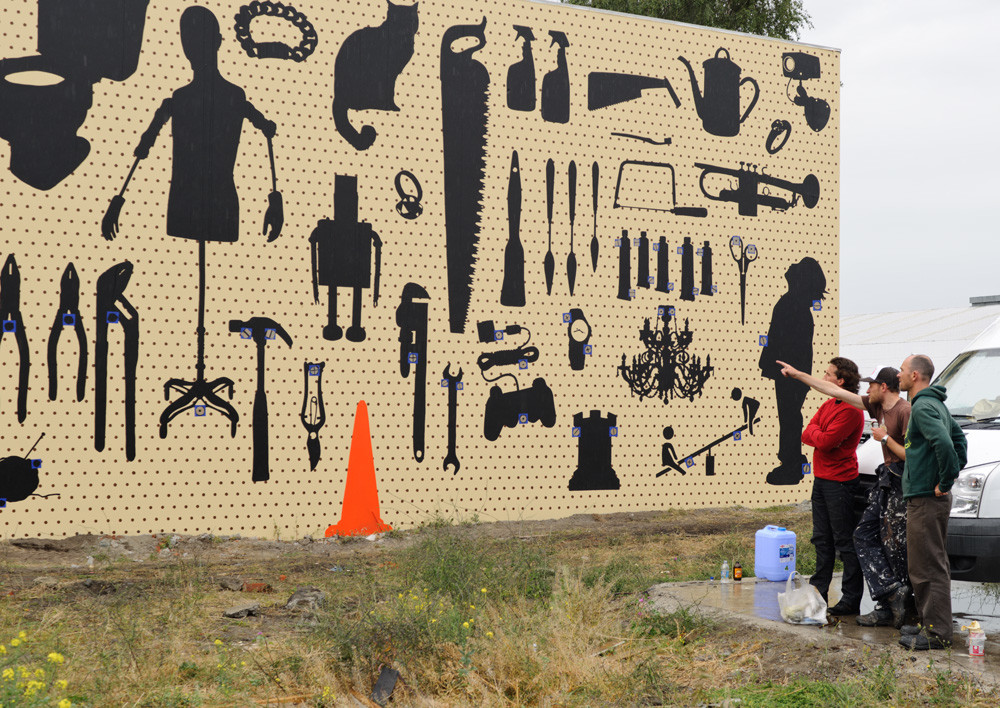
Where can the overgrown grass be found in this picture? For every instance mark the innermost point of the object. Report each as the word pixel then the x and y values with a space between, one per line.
pixel 467 617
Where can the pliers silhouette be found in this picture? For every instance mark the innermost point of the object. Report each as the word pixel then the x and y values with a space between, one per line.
pixel 114 308
pixel 10 314
pixel 68 315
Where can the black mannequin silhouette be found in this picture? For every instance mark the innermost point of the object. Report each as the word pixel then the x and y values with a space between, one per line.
pixel 789 338
pixel 367 66
pixel 207 116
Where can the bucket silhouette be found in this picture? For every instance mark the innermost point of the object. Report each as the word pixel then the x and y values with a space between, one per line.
pixel 360 513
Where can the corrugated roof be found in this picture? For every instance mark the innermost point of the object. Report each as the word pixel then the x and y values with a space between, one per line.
pixel 886 338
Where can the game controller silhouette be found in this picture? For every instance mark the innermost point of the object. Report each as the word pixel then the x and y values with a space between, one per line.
pixel 507 409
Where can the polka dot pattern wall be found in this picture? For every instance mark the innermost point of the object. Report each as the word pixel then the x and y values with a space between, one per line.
pixel 679 403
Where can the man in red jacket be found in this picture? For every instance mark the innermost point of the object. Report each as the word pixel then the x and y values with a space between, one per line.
pixel 834 433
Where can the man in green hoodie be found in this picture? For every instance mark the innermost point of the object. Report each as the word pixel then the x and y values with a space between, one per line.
pixel 935 453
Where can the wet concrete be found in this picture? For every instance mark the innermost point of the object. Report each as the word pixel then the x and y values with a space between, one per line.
pixel 756 602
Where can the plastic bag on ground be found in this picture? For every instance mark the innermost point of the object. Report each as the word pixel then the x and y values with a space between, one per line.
pixel 801 603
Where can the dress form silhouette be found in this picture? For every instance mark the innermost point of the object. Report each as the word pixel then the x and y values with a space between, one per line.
pixel 207 116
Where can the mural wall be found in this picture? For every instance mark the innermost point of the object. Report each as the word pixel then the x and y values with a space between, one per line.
pixel 338 266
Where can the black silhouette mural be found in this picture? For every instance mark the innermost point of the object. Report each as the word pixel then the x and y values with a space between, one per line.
pixel 68 315
pixel 464 86
pixel 800 67
pixel 748 181
pixel 11 322
pixel 549 263
pixel 453 382
pixel 666 370
pixel 624 267
pixel 744 255
pixel 114 308
pixel 622 202
pixel 520 355
pixel 781 130
pixel 789 338
pixel 663 284
pixel 719 107
pixel 19 477
pixel 749 407
pixel 555 84
pixel 79 43
pixel 521 74
pixel 341 255
pixel 313 414
pixel 409 206
pixel 686 251
pixel 260 330
pixel 605 88
pixel 707 287
pixel 642 266
pixel 411 318
pixel 571 258
pixel 512 290
pixel 579 332
pixel 518 407
pixel 594 435
pixel 275 50
pixel 207 119
pixel 643 138
pixel 366 69
pixel 595 247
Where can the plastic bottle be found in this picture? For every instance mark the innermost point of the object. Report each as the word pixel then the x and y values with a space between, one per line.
pixel 977 638
pixel 737 572
pixel 724 573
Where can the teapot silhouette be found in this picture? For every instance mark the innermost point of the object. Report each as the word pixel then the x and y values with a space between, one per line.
pixel 719 108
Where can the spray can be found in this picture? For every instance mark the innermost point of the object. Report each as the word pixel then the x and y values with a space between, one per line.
pixel 977 638
pixel 724 573
pixel 737 572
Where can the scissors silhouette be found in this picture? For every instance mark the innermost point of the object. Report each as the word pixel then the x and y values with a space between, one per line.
pixel 744 256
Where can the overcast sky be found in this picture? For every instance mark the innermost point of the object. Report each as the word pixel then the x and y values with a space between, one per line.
pixel 920 162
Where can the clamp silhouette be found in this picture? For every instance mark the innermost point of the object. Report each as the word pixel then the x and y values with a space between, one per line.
pixel 260 329
pixel 68 315
pixel 114 308
pixel 10 313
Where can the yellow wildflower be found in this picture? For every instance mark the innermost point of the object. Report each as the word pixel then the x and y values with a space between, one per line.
pixel 62 684
pixel 39 673
pixel 15 642
pixel 22 635
pixel 483 591
pixel 218 642
pixel 8 674
pixel 489 635
pixel 56 658
pixel 65 703
pixel 472 607
pixel 465 624
pixel 33 687
pixel 3 650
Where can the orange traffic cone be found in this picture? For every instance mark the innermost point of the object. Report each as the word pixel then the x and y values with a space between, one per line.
pixel 360 515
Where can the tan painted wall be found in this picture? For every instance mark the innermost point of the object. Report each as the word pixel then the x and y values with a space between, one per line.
pixel 198 478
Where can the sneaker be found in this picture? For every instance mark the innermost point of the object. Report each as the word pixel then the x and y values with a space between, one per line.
pixel 879 617
pixel 918 642
pixel 845 608
pixel 896 603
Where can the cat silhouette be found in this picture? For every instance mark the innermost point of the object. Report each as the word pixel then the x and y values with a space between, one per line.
pixel 365 72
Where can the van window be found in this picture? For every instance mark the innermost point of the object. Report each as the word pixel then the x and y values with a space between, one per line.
pixel 973 383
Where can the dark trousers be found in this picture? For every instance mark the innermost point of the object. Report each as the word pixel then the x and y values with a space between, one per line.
pixel 926 546
pixel 833 533
pixel 880 538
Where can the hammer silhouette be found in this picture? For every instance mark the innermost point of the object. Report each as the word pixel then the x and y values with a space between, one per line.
pixel 260 329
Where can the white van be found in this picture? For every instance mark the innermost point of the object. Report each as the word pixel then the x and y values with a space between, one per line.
pixel 973 384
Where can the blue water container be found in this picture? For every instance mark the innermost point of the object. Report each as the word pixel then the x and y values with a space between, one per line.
pixel 774 553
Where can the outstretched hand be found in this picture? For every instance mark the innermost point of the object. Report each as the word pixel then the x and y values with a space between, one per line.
pixel 787 369
pixel 109 224
pixel 274 217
